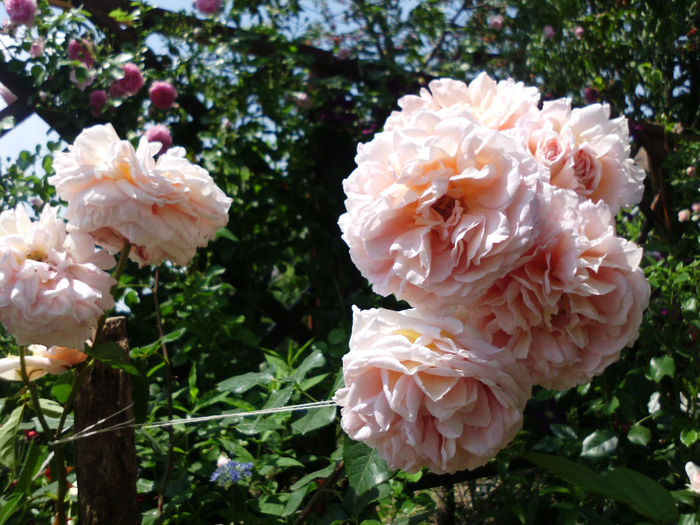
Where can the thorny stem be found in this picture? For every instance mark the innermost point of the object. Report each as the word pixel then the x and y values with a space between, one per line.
pixel 58 458
pixel 169 389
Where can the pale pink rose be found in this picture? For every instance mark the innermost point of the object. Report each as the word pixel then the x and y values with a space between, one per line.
pixel 425 392
pixel 55 360
pixel 52 285
pixel 579 32
pixel 496 105
pixel 695 207
pixel 162 95
pixel 693 472
pixel 301 99
pixel 21 12
pixel 496 22
pixel 437 209
pixel 7 95
pixel 37 47
pixel 683 215
pixel 587 152
pixel 690 171
pixel 165 209
pixel 548 32
pixel 160 133
pixel 131 82
pixel 208 7
pixel 568 311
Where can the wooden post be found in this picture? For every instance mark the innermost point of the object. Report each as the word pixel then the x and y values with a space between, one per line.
pixel 105 464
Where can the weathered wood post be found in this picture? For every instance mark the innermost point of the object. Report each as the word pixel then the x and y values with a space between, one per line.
pixel 105 464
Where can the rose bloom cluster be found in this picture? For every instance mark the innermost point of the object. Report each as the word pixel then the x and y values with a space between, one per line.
pixel 54 286
pixel 494 218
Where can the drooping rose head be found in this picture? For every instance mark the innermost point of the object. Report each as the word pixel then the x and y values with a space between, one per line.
pixel 165 209
pixel 52 285
pixel 208 7
pixel 162 95
pixel 425 392
pixel 131 82
pixel 82 51
pixel 160 133
pixel 21 12
pixel 438 207
pixel 576 301
pixel 55 360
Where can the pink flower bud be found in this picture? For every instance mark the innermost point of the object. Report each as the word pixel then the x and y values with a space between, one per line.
pixel 21 12
pixel 496 22
pixel 98 99
pixel 548 32
pixel 81 51
pixel 37 47
pixel 579 31
pixel 162 95
pixel 690 171
pixel 133 79
pixel 683 215
pixel 208 7
pixel 160 133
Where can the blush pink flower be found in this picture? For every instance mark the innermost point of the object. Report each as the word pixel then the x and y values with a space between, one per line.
pixel 81 84
pixel 160 133
pixel 52 285
pixel 425 392
pixel 579 32
pixel 98 99
pixel 81 51
pixel 496 22
pixel 37 47
pixel 131 82
pixel 165 209
pixel 438 208
pixel 495 105
pixel 693 472
pixel 587 152
pixel 683 215
pixel 162 95
pixel 21 12
pixel 548 32
pixel 55 360
pixel 568 311
pixel 208 7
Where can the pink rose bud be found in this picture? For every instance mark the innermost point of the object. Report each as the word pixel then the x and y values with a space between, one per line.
pixel 133 79
pixel 21 12
pixel 162 95
pixel 683 215
pixel 98 99
pixel 496 22
pixel 579 31
pixel 81 51
pixel 160 133
pixel 208 7
pixel 690 171
pixel 37 47
pixel 548 32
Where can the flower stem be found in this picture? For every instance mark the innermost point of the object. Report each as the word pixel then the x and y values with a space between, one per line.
pixel 123 258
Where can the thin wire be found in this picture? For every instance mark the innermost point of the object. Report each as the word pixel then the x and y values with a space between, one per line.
pixel 87 432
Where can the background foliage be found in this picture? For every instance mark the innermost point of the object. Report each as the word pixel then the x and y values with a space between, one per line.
pixel 274 96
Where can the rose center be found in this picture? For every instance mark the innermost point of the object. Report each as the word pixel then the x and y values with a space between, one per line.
pixel 444 206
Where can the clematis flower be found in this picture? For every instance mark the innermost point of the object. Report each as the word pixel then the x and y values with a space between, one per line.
pixel 55 360
pixel 427 392
pixel 165 209
pixel 52 285
pixel 576 301
pixel 439 207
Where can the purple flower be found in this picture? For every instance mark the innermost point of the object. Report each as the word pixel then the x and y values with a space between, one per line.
pixel 229 472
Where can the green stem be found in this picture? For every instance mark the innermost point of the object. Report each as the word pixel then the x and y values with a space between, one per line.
pixel 123 258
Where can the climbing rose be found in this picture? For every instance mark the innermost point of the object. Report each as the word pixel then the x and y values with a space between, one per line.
pixel 55 360
pixel 160 133
pixel 162 95
pixel 52 285
pixel 425 391
pixel 132 81
pixel 98 99
pixel 208 7
pixel 21 12
pixel 575 302
pixel 165 209
pixel 81 51
pixel 496 22
pixel 37 47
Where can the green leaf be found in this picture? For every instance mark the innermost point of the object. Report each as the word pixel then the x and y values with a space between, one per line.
pixel 689 436
pixel 313 419
pixel 572 472
pixel 8 436
pixel 323 473
pixel 29 468
pixel 660 367
pixel 314 360
pixel 8 508
pixel 113 355
pixel 599 444
pixel 50 408
pixel 150 349
pixel 639 435
pixel 244 382
pixel 643 494
pixel 226 234
pixel 364 467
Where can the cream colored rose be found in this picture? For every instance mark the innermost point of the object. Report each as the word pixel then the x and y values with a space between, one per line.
pixel 426 392
pixel 55 360
pixel 165 208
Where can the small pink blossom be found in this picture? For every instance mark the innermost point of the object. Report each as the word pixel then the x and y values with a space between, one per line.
pixel 81 84
pixel 98 99
pixel 695 207
pixel 37 47
pixel 693 472
pixel 208 7
pixel 496 22
pixel 690 171
pixel 82 51
pixel 21 12
pixel 160 133
pixel 548 32
pixel 683 215
pixel 579 32
pixel 162 94
pixel 132 81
